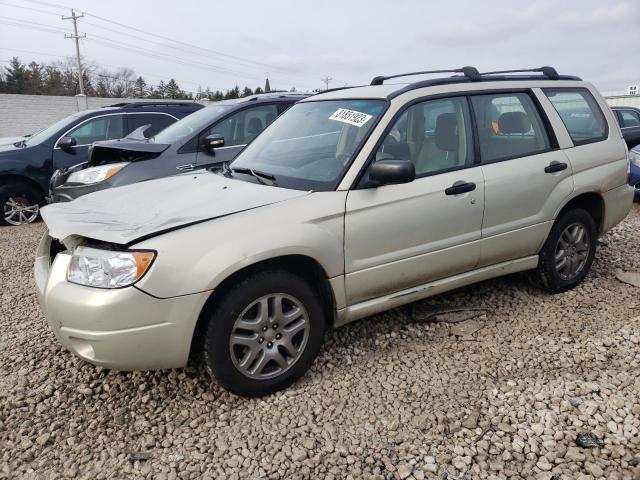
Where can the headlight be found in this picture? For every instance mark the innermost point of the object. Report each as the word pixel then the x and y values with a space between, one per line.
pixel 96 174
pixel 634 157
pixel 99 268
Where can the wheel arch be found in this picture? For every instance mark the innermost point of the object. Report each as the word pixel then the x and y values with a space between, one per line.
pixel 592 202
pixel 8 178
pixel 303 265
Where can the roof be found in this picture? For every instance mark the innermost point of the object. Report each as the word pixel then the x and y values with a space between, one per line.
pixel 470 75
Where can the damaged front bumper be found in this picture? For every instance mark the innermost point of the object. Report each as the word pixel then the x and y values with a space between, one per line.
pixel 124 328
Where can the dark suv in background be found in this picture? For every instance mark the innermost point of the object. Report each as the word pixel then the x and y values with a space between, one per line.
pixel 26 166
pixel 207 139
pixel 629 120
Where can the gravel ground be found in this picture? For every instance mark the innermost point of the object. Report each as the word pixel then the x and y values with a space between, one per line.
pixel 501 395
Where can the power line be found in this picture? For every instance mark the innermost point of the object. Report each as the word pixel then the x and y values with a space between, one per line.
pixel 130 27
pixel 76 37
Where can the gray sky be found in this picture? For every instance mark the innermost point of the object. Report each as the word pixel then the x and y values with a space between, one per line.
pixel 299 42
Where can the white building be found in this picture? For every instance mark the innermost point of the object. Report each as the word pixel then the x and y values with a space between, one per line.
pixel 624 98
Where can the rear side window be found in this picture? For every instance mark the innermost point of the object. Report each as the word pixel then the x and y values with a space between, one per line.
pixel 580 114
pixel 629 118
pixel 157 122
pixel 509 126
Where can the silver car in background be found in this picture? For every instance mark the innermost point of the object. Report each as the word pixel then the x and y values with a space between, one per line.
pixel 352 202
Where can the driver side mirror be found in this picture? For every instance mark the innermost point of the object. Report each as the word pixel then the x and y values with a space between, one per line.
pixel 67 142
pixel 385 172
pixel 213 141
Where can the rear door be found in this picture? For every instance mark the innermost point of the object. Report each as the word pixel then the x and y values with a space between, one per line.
pixel 103 127
pixel 238 129
pixel 526 175
pixel 630 125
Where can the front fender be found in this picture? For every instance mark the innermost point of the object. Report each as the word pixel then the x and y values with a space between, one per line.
pixel 199 257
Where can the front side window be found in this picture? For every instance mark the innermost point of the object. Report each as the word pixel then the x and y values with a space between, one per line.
pixel 629 118
pixel 435 135
pixel 311 145
pixel 109 127
pixel 191 124
pixel 242 127
pixel 580 114
pixel 509 126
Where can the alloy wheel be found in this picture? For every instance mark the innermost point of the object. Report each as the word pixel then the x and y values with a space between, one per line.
pixel 19 210
pixel 269 336
pixel 572 251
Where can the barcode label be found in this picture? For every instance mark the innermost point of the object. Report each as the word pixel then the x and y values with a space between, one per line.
pixel 351 117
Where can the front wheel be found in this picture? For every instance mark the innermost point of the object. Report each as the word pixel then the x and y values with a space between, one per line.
pixel 264 334
pixel 567 255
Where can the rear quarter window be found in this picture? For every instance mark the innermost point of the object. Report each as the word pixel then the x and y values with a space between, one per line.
pixel 580 114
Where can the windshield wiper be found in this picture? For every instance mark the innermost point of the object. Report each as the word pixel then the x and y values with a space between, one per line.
pixel 21 143
pixel 263 177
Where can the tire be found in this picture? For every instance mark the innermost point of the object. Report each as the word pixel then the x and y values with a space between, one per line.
pixel 255 361
pixel 557 276
pixel 19 204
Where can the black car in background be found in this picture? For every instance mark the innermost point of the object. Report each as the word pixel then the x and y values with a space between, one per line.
pixel 207 139
pixel 629 120
pixel 27 165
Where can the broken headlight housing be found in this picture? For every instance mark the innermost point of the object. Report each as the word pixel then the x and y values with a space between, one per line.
pixel 96 174
pixel 94 267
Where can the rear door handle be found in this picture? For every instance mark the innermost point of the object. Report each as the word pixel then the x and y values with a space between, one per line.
pixel 555 167
pixel 460 187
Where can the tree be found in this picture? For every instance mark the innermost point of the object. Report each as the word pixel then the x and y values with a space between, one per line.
pixel 102 89
pixel 173 90
pixel 53 84
pixel 247 92
pixel 233 93
pixel 140 88
pixel 16 76
pixel 35 79
pixel 258 90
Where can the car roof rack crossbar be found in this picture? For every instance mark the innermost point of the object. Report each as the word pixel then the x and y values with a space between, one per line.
pixel 470 72
pixel 547 71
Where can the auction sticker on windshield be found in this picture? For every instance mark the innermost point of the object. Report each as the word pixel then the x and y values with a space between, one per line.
pixel 351 117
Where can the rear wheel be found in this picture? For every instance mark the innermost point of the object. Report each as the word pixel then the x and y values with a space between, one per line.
pixel 567 255
pixel 264 334
pixel 19 204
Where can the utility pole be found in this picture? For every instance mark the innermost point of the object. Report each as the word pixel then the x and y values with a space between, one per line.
pixel 76 37
pixel 326 80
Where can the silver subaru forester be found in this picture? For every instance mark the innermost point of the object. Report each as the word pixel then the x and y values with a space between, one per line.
pixel 353 202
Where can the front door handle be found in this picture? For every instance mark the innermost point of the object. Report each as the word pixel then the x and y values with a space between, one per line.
pixel 185 168
pixel 460 187
pixel 555 167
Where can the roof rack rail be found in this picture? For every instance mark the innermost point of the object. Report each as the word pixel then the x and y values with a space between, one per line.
pixel 470 72
pixel 146 104
pixel 547 71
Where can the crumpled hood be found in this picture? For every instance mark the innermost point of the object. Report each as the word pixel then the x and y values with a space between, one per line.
pixel 126 150
pixel 125 214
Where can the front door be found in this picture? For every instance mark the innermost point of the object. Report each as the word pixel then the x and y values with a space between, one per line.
pixel 401 236
pixel 104 127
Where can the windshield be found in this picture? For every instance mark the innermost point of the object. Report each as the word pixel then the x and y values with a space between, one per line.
pixel 51 130
pixel 192 123
pixel 310 146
